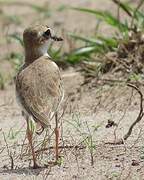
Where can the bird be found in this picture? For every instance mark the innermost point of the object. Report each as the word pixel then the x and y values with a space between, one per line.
pixel 39 86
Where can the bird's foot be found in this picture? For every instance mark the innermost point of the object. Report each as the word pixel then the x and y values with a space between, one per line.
pixel 116 142
pixel 50 164
pixel 53 163
pixel 36 166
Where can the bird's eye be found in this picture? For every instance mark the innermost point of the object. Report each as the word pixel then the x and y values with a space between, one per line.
pixel 47 33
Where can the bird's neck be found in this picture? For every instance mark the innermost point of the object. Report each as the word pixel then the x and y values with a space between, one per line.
pixel 31 53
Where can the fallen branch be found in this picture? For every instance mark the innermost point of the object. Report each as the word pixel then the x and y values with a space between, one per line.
pixel 140 115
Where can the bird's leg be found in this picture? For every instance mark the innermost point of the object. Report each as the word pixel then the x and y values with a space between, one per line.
pixel 29 136
pixel 56 138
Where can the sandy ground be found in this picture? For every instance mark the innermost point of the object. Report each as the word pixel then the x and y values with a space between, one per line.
pixel 88 110
pixel 86 116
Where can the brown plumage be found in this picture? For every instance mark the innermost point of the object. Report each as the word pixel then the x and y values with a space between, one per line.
pixel 38 83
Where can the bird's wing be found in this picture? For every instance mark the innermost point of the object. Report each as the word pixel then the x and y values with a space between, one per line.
pixel 40 90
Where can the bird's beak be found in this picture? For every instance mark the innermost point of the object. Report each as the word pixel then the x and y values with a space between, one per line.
pixel 55 38
pixel 48 34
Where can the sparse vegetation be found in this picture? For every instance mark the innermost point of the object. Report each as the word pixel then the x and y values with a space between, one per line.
pixel 127 43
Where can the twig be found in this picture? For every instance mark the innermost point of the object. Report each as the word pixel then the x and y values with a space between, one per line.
pixel 2 150
pixel 91 145
pixel 140 115
pixel 22 147
pixel 46 174
pixel 9 153
pixel 105 80
pixel 117 62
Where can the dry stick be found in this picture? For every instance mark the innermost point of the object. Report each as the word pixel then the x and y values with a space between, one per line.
pixel 91 145
pixel 140 115
pixel 9 153
pixel 117 62
pixel 44 142
pixel 45 175
pixel 22 148
pixel 2 150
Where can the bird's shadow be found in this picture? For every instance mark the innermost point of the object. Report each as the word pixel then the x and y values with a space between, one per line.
pixel 24 170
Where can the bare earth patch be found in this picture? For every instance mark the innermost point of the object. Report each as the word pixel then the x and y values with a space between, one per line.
pixel 86 117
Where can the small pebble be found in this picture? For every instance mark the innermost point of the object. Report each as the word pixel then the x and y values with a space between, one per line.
pixel 135 162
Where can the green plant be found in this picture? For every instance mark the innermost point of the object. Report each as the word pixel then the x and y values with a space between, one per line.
pixel 107 17
pixel 12 134
pixel 87 133
pixel 114 175
pixel 135 77
pixel 60 161
pixel 99 44
pixel 2 82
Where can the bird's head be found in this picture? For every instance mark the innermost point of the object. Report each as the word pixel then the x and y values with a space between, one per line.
pixel 36 39
pixel 38 35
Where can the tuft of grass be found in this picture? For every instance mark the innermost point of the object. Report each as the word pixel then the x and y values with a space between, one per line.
pixel 32 125
pixel 87 133
pixel 12 134
pixel 127 38
pixel 105 16
pixel 97 44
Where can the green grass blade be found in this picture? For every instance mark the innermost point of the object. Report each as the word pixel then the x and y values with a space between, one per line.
pixel 84 50
pixel 104 16
pixel 111 42
pixel 87 40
